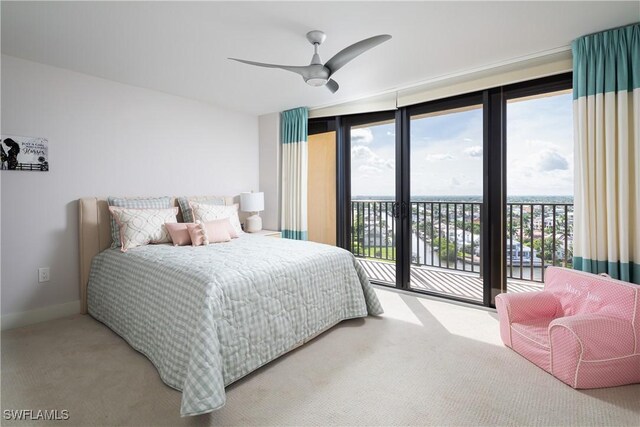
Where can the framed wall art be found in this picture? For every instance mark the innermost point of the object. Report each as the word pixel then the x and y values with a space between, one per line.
pixel 24 153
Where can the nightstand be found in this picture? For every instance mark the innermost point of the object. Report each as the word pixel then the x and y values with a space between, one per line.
pixel 268 233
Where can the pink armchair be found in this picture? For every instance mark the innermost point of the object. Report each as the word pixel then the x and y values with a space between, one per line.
pixel 582 328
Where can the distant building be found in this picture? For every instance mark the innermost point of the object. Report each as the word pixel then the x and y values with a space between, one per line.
pixel 522 255
pixel 464 238
pixel 376 236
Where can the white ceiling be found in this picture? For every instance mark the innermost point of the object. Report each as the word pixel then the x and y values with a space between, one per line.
pixel 181 47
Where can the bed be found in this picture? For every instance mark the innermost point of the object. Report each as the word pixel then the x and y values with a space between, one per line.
pixel 207 316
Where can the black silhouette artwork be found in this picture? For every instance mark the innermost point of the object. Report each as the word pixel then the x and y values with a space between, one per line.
pixel 4 158
pixel 14 150
pixel 24 153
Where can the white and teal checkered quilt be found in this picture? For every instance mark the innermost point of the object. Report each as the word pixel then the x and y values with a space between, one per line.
pixel 207 316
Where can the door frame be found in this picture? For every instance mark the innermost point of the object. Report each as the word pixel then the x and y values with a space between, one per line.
pixel 343 171
pixel 443 105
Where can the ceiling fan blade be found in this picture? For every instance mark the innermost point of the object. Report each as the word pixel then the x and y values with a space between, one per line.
pixel 332 85
pixel 294 69
pixel 349 53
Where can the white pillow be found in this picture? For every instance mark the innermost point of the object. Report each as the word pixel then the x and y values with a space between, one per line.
pixel 139 227
pixel 205 213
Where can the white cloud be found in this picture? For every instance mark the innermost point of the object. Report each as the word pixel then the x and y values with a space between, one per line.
pixel 475 151
pixel 360 152
pixel 368 169
pixel 361 136
pixel 365 156
pixel 389 133
pixel 455 182
pixel 439 156
pixel 467 140
pixel 552 160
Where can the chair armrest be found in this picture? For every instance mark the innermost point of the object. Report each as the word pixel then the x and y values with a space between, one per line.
pixel 522 306
pixel 598 336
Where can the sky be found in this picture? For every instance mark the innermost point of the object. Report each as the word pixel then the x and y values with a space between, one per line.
pixel 446 152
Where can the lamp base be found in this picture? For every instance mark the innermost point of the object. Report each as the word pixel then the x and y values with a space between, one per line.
pixel 253 224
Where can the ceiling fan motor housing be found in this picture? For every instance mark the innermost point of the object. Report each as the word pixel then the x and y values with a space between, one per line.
pixel 317 75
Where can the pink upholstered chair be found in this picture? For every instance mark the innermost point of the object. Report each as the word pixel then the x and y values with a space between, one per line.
pixel 582 328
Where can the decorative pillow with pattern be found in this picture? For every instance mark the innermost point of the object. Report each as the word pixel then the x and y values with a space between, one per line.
pixel 205 213
pixel 139 227
pixel 183 202
pixel 134 203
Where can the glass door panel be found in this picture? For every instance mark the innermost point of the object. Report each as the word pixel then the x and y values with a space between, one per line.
pixel 446 183
pixel 373 199
pixel 539 211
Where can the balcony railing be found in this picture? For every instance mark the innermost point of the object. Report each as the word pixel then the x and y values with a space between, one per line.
pixel 447 235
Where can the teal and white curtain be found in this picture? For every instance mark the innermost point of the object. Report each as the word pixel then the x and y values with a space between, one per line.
pixel 606 109
pixel 293 134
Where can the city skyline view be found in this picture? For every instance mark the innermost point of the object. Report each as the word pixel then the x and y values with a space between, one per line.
pixel 447 152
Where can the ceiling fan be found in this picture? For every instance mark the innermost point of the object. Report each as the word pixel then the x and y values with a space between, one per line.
pixel 319 74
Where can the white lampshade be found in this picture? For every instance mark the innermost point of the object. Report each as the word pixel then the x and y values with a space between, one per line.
pixel 252 202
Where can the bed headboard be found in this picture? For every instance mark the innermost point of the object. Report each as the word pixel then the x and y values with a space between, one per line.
pixel 95 235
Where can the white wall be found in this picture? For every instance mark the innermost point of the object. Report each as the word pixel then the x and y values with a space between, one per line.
pixel 270 159
pixel 105 138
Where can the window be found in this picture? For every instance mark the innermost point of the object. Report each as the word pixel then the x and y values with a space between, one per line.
pixel 464 197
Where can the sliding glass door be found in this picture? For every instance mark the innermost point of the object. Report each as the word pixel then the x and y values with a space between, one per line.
pixel 446 150
pixel 372 219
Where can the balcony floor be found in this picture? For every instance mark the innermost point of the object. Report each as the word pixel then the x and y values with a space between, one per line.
pixel 446 282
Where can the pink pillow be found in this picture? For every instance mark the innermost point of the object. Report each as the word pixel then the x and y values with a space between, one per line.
pixel 219 230
pixel 209 232
pixel 196 234
pixel 179 233
pixel 227 223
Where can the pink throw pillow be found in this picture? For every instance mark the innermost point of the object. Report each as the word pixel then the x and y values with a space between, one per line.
pixel 179 233
pixel 197 235
pixel 227 223
pixel 219 230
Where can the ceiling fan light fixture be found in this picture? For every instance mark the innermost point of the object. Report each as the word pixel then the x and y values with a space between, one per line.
pixel 316 81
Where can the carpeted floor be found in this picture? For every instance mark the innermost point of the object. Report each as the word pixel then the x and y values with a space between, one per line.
pixel 424 362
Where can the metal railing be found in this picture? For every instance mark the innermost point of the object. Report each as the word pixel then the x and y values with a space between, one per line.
pixel 538 235
pixel 447 234
pixel 373 229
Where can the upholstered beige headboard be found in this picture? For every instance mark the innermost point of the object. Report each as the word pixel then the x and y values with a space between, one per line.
pixel 95 235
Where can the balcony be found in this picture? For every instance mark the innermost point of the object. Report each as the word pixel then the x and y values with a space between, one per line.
pixel 446 243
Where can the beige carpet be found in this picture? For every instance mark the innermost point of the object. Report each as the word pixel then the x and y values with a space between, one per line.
pixel 424 362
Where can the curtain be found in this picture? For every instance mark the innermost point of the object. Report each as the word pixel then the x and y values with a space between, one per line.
pixel 293 134
pixel 606 110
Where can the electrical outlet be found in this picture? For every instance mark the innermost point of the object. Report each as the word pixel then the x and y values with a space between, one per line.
pixel 43 274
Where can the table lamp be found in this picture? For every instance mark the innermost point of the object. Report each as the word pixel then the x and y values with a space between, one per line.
pixel 252 202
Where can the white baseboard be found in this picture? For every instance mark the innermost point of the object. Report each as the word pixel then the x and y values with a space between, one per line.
pixel 15 320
